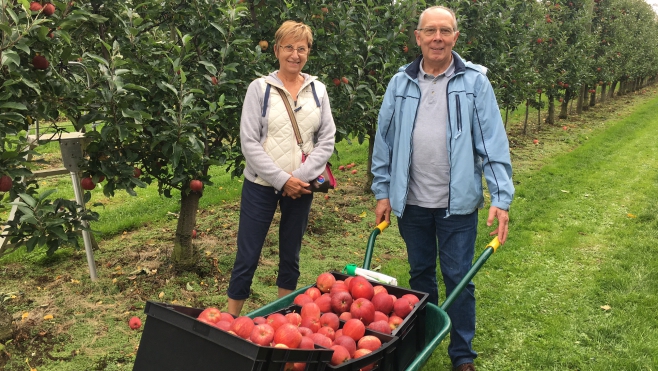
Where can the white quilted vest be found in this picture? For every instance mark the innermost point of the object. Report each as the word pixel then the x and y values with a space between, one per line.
pixel 280 143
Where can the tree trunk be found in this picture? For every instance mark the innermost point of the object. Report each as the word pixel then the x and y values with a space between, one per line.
pixel 603 89
pixel 525 123
pixel 611 93
pixel 564 109
pixel 550 118
pixel 371 147
pixel 506 116
pixel 579 102
pixel 185 255
pixel 584 93
pixel 592 99
pixel 539 113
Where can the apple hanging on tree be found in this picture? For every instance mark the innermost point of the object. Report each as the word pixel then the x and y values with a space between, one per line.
pixel 87 184
pixel 49 9
pixel 196 185
pixel 5 183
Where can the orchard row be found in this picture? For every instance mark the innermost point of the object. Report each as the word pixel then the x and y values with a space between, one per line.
pixel 162 82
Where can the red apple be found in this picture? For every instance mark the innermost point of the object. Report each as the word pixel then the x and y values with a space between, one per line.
pixel 210 315
pixel 341 302
pixel 40 62
pixel 35 6
pixel 313 292
pixel 354 171
pixel 259 320
pixel 362 289
pixel 402 307
pixel 328 332
pixel 302 299
pixel 226 316
pixel 380 326
pixel 262 335
pixel 325 281
pixel 394 322
pixel 535 141
pixel 276 320
pixel 344 80
pixel 347 342
pixel 87 184
pixel 338 286
pixel 213 80
pixel 354 329
pixel 287 334
pixel 196 185
pixel 348 281
pixel 223 325
pixel 311 323
pixel 330 320
pixel 341 355
pixel 364 352
pixel 379 316
pixel 345 316
pixel 379 288
pixel 5 183
pixel 242 326
pixel 564 128
pixel 324 303
pixel 369 342
pixel 306 343
pixel 321 340
pixel 135 323
pixel 294 318
pixel 383 302
pixel 363 309
pixel 336 81
pixel 49 9
pixel 338 333
pixel 413 299
pixel 341 167
pixel 305 331
pixel 194 233
pixel 137 172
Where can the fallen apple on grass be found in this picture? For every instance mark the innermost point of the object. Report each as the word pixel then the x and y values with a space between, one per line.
pixel 135 323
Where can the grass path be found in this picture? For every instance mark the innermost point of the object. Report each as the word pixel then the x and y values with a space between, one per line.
pixel 575 287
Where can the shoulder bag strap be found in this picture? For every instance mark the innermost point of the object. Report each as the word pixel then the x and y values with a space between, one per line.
pixel 293 120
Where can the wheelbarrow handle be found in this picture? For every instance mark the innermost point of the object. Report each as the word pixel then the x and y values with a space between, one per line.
pixel 371 242
pixel 490 249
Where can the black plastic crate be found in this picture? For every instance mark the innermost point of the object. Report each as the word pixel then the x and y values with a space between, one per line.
pixel 411 332
pixel 174 340
pixel 383 358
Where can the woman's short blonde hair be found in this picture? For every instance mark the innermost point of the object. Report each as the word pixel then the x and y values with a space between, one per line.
pixel 295 30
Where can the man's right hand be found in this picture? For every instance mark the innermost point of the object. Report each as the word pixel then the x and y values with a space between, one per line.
pixel 383 211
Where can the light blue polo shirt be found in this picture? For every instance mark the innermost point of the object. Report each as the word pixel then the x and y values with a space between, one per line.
pixel 430 169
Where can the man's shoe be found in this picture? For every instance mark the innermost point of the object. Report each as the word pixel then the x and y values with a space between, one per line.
pixel 465 367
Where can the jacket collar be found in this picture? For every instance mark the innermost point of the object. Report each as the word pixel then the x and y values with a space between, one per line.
pixel 413 68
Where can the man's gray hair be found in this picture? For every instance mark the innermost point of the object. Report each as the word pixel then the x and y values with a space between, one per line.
pixel 454 17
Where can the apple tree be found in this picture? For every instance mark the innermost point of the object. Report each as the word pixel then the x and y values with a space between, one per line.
pixel 39 82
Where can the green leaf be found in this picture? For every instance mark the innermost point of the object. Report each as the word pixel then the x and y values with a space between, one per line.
pixel 135 87
pixel 209 67
pixel 28 199
pixel 98 59
pixel 13 105
pixel 171 87
pixel 59 231
pixel 10 56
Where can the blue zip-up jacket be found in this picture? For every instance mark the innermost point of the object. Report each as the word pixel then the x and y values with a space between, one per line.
pixel 476 140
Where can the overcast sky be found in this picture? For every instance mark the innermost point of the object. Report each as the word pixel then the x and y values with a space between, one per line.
pixel 654 4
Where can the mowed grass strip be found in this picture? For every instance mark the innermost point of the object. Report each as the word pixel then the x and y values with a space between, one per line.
pixel 575 286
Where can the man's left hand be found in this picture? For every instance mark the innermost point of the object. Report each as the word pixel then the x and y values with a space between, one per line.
pixel 503 222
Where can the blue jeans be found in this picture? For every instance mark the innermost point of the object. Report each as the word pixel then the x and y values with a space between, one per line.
pixel 257 208
pixel 422 228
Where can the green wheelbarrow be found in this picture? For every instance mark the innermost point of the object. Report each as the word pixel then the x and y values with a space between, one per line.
pixel 437 323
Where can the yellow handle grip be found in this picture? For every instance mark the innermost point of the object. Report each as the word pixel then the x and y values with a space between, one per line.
pixel 494 244
pixel 383 225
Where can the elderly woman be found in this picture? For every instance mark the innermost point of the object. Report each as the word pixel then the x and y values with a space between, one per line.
pixel 275 173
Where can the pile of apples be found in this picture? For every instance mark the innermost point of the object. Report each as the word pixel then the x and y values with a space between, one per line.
pixel 356 301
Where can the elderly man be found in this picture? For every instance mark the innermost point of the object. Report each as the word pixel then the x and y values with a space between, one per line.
pixel 439 131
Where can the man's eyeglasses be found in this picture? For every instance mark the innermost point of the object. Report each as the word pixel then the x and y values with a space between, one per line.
pixel 289 49
pixel 431 31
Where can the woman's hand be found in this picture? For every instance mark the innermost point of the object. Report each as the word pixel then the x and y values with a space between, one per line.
pixel 295 188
